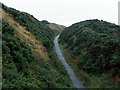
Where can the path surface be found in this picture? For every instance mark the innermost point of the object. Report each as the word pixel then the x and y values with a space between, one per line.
pixel 76 82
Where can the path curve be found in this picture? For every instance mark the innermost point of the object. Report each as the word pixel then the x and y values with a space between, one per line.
pixel 76 82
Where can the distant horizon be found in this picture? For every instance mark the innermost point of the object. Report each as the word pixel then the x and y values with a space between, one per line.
pixel 71 11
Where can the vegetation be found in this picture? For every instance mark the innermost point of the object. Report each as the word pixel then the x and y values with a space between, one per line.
pixel 57 28
pixel 21 69
pixel 93 47
pixel 37 28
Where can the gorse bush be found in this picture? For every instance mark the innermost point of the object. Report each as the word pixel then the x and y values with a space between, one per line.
pixel 16 56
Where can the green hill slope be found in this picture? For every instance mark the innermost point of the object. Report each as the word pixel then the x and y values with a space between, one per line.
pixel 93 46
pixel 29 60
pixel 58 28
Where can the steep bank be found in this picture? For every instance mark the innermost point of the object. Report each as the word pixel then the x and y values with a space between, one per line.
pixel 92 46
pixel 29 60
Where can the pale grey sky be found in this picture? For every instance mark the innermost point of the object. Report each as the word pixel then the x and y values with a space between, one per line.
pixel 67 12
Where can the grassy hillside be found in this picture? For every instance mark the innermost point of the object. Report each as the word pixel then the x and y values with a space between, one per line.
pixel 92 47
pixel 54 26
pixel 29 60
pixel 37 28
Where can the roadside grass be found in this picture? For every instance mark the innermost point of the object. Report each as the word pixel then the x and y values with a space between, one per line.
pixel 89 80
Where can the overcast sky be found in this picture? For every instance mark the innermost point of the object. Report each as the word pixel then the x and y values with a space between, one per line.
pixel 67 12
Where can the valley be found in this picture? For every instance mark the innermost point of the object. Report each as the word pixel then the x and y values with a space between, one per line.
pixel 41 54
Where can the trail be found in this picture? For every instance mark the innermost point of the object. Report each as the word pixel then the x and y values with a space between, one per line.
pixel 76 82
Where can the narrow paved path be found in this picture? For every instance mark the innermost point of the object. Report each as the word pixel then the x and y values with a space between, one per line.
pixel 76 82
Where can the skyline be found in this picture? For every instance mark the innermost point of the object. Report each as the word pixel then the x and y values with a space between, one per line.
pixel 68 12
